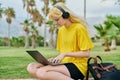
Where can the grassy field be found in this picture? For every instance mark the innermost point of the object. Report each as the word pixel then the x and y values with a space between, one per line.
pixel 13 61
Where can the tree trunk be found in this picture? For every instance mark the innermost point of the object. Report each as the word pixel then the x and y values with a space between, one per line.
pixel 51 41
pixel 33 42
pixel 113 44
pixel 27 40
pixel 106 46
pixel 9 35
pixel 45 35
pixel 45 27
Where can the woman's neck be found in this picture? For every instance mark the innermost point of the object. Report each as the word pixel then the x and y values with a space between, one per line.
pixel 68 23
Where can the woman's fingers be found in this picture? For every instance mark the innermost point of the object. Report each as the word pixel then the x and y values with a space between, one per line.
pixel 50 60
pixel 54 60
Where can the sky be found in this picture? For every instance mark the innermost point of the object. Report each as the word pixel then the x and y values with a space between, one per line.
pixel 96 11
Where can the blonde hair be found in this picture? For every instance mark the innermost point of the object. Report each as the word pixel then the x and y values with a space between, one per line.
pixel 55 13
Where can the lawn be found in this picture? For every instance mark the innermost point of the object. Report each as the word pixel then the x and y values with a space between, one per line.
pixel 13 61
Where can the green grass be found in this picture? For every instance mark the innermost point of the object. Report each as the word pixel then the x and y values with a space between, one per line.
pixel 13 61
pixel 110 56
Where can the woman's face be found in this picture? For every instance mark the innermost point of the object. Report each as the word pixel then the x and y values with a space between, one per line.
pixel 60 21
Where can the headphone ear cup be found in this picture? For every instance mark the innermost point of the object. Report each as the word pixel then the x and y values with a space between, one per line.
pixel 65 15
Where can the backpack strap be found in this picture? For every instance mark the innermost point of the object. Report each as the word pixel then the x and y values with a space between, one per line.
pixel 88 62
pixel 87 75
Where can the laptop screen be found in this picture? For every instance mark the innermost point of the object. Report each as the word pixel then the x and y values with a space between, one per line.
pixel 38 57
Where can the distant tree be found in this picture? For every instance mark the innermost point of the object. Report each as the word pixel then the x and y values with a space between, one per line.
pixel 110 30
pixel 35 35
pixel 35 16
pixel 56 1
pixel 53 29
pixel 26 25
pixel 32 10
pixel 113 32
pixel 9 13
pixel 40 41
pixel 116 22
pixel 102 33
pixel 28 4
pixel 1 11
pixel 5 41
pixel 45 10
pixel 16 42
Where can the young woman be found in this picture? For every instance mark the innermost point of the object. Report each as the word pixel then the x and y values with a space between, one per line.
pixel 74 45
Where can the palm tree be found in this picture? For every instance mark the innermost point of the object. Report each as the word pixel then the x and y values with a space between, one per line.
pixel 1 11
pixel 115 29
pixel 34 36
pixel 28 4
pixel 102 33
pixel 45 10
pixel 116 23
pixel 36 16
pixel 53 29
pixel 32 10
pixel 56 1
pixel 26 25
pixel 113 32
pixel 9 13
pixel 111 29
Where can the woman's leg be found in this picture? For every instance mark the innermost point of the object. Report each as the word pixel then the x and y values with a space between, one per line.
pixel 33 67
pixel 53 73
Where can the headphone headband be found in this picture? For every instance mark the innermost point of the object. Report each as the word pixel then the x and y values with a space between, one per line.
pixel 61 9
pixel 65 14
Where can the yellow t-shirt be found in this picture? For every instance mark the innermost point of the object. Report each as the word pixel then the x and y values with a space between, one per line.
pixel 72 39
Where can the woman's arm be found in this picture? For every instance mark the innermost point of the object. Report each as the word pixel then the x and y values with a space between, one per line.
pixel 79 54
pixel 83 53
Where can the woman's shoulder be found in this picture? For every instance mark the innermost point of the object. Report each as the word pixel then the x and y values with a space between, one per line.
pixel 79 26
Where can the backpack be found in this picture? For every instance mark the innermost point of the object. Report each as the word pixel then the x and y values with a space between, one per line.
pixel 102 70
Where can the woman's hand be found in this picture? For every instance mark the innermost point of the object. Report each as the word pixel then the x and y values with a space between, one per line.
pixel 57 59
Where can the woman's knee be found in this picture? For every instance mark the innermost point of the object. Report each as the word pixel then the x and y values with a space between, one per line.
pixel 29 66
pixel 32 67
pixel 41 73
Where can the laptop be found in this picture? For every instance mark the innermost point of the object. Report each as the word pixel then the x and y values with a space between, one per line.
pixel 40 58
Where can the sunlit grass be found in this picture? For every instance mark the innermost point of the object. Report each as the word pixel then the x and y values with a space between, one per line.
pixel 13 61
